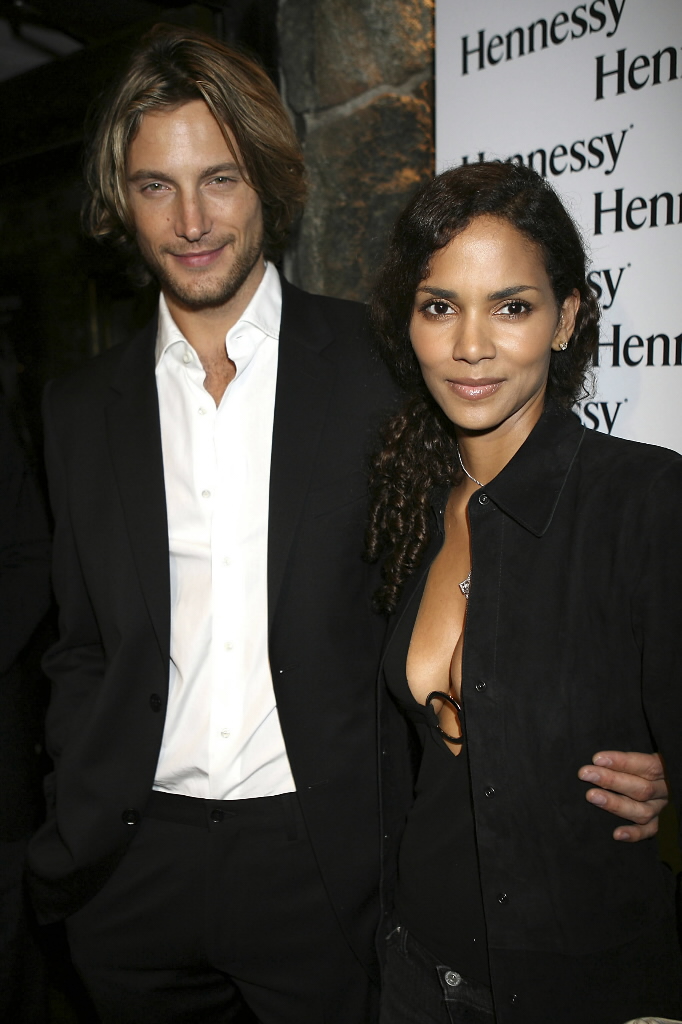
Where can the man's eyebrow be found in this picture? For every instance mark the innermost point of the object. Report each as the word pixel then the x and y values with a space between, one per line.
pixel 230 167
pixel 146 174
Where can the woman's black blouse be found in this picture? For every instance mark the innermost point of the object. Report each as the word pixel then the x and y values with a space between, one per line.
pixel 438 895
pixel 573 644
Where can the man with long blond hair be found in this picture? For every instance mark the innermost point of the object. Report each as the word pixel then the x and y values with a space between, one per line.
pixel 212 831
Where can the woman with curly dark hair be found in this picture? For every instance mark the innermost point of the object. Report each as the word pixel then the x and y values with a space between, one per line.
pixel 531 570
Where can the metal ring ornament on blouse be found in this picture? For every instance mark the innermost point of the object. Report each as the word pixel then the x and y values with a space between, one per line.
pixel 458 708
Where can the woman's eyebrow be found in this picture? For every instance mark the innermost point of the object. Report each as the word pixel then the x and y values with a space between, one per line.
pixel 505 293
pixel 438 293
pixel 513 290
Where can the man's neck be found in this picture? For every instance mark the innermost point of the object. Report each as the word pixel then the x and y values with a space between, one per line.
pixel 205 329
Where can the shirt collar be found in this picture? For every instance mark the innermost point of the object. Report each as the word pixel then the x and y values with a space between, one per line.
pixel 264 312
pixel 529 487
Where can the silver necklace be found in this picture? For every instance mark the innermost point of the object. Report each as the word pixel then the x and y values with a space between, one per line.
pixel 465 585
pixel 465 470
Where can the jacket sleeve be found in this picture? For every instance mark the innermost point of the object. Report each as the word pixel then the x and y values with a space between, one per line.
pixel 75 664
pixel 657 616
pixel 24 549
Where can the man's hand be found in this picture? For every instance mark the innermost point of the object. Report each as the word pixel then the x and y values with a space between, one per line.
pixel 632 786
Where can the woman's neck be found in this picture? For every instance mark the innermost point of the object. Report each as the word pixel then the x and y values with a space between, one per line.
pixel 483 455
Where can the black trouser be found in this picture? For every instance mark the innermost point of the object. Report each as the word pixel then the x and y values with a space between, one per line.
pixel 23 993
pixel 218 913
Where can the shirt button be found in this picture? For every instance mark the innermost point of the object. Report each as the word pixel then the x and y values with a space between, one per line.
pixel 489 791
pixel 226 560
pixel 228 645
pixel 483 499
pixel 452 978
pixel 201 411
pixel 502 897
pixel 481 686
pixel 225 734
pixel 205 494
pixel 186 358
pixel 130 816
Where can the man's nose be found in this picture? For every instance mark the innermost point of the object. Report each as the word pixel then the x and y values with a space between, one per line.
pixel 192 218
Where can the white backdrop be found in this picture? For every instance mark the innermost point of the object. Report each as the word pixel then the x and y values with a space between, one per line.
pixel 591 96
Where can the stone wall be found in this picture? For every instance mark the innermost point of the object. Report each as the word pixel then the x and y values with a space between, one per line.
pixel 357 76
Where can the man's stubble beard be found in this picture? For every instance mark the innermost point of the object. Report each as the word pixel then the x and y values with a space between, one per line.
pixel 208 293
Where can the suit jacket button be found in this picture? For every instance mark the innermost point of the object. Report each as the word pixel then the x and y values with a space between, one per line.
pixel 155 702
pixel 130 816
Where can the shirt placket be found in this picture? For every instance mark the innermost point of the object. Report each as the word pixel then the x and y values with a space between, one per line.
pixel 227 710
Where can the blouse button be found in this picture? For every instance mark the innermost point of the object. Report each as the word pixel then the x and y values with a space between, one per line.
pixel 483 499
pixel 481 686
pixel 502 897
pixel 489 791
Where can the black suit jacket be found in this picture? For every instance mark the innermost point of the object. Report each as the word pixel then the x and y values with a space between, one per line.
pixel 24 599
pixel 109 668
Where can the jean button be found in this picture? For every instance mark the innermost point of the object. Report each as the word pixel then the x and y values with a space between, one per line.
pixel 452 978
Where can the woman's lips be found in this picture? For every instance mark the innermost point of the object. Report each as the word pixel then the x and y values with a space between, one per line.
pixel 475 390
pixel 199 259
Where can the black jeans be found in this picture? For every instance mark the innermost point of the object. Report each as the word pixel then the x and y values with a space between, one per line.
pixel 418 989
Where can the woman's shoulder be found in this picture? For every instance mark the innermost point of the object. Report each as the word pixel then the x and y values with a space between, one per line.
pixel 608 446
pixel 635 462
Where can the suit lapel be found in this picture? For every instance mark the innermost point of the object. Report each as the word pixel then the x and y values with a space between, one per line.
pixel 305 380
pixel 134 433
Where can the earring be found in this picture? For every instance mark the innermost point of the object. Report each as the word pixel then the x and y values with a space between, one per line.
pixel 563 346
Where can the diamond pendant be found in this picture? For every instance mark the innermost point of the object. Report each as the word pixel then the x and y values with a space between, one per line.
pixel 464 586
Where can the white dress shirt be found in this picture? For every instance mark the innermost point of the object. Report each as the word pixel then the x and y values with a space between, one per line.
pixel 222 738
